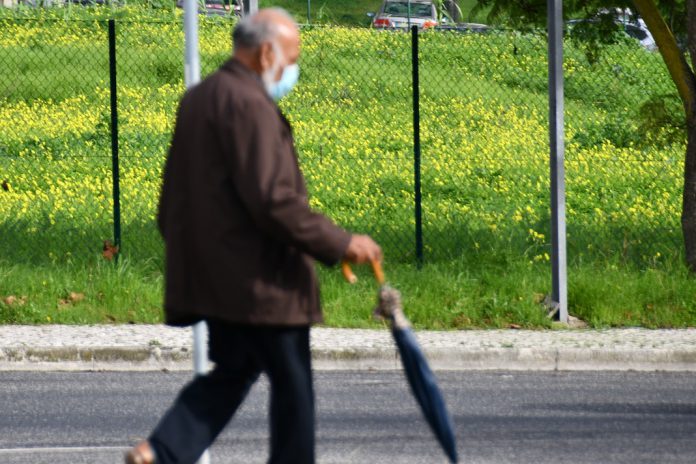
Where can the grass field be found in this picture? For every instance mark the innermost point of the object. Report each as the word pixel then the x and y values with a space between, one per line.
pixel 485 173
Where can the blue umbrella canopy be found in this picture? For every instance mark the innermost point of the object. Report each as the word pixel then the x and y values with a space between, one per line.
pixel 420 377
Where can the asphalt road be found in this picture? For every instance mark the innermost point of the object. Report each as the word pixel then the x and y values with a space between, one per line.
pixel 501 417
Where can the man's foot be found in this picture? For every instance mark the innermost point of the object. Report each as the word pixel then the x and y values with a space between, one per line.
pixel 141 453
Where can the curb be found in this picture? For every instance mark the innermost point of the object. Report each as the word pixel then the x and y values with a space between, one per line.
pixel 66 358
pixel 150 358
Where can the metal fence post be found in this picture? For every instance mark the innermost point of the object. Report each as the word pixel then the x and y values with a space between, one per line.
pixel 192 75
pixel 114 137
pixel 557 145
pixel 417 147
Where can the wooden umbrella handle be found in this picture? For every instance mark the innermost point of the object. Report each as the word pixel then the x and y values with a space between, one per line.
pixel 352 278
pixel 378 272
pixel 348 273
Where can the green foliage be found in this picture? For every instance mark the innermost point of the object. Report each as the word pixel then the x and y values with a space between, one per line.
pixel 662 118
pixel 526 13
pixel 519 14
pixel 592 36
pixel 601 18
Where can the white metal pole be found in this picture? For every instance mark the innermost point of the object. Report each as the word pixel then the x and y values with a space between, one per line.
pixel 557 159
pixel 200 360
pixel 192 66
pixel 192 75
pixel 250 7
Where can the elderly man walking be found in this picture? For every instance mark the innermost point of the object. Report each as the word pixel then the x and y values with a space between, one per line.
pixel 241 242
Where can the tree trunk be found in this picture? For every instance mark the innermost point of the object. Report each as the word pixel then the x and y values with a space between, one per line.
pixel 683 76
pixel 689 205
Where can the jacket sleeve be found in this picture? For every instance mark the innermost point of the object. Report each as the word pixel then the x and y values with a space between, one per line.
pixel 265 174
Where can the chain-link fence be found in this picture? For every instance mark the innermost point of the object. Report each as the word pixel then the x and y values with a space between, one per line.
pixel 483 140
pixel 55 163
pixel 486 152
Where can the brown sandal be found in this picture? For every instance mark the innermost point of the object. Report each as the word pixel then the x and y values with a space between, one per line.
pixel 141 453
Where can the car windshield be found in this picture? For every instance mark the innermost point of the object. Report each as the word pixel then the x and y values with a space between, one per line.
pixel 418 10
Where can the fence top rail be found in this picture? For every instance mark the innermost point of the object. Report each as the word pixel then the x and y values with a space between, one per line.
pixel 227 20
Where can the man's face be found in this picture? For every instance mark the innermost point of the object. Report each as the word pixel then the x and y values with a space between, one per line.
pixel 283 51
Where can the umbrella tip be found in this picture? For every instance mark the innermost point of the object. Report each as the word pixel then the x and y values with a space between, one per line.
pixel 389 307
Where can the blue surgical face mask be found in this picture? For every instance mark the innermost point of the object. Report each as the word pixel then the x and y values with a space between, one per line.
pixel 281 88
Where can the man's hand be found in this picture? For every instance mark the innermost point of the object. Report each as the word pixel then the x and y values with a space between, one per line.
pixel 362 249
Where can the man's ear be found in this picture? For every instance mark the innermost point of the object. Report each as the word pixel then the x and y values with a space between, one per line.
pixel 266 56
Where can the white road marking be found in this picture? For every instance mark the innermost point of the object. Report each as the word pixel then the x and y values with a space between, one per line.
pixel 65 449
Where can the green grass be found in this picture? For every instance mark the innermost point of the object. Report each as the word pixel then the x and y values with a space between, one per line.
pixel 112 293
pixel 442 296
pixel 484 159
pixel 609 296
pixel 457 295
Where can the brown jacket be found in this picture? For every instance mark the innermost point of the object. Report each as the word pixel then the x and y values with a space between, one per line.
pixel 240 236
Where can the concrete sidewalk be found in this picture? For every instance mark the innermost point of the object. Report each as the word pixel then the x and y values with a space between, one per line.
pixel 155 347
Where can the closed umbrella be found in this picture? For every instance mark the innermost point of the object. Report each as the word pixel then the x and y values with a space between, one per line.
pixel 420 376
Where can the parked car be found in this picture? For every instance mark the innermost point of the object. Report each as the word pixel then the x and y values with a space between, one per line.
pixel 641 33
pixel 631 24
pixel 465 28
pixel 401 14
pixel 217 7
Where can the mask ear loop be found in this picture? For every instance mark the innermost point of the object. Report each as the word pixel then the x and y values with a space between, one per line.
pixel 269 76
pixel 280 58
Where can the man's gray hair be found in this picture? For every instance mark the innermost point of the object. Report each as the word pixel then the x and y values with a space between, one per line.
pixel 253 30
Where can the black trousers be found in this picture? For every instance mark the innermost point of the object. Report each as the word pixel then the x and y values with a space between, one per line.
pixel 207 403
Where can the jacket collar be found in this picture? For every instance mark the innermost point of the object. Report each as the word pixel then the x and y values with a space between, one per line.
pixel 234 66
